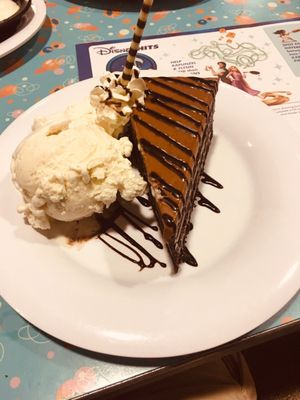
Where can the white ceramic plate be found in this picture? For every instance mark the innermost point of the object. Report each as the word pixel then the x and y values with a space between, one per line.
pixel 31 23
pixel 248 254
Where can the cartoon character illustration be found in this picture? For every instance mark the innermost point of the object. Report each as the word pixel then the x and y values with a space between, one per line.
pixel 238 80
pixel 285 36
pixel 221 72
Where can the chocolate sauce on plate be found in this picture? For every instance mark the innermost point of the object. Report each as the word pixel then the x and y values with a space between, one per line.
pixel 114 235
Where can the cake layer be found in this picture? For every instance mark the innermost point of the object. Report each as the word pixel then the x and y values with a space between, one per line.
pixel 173 131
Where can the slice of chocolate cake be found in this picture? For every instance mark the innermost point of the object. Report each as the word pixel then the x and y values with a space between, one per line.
pixel 173 131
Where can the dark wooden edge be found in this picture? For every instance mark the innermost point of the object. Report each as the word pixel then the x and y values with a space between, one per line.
pixel 178 364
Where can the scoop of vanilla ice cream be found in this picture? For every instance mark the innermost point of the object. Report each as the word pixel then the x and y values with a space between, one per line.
pixel 69 168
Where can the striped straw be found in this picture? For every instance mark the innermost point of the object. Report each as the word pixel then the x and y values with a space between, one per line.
pixel 134 46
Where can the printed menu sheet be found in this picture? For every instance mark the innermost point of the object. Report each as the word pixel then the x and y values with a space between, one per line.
pixel 261 60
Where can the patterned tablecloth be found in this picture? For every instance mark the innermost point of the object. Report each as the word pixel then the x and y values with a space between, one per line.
pixel 33 366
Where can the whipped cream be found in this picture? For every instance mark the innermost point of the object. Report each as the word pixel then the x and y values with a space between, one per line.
pixel 113 102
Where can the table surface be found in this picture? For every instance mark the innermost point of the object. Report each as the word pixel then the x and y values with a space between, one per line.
pixel 33 365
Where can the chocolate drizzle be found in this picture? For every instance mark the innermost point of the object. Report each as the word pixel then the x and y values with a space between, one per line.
pixel 164 136
pixel 113 225
pixel 164 186
pixel 175 164
pixel 192 107
pixel 207 84
pixel 143 201
pixel 132 245
pixel 172 88
pixel 114 235
pixel 204 202
pixel 205 178
pixel 130 217
pixel 176 124
pixel 188 258
pixel 166 103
